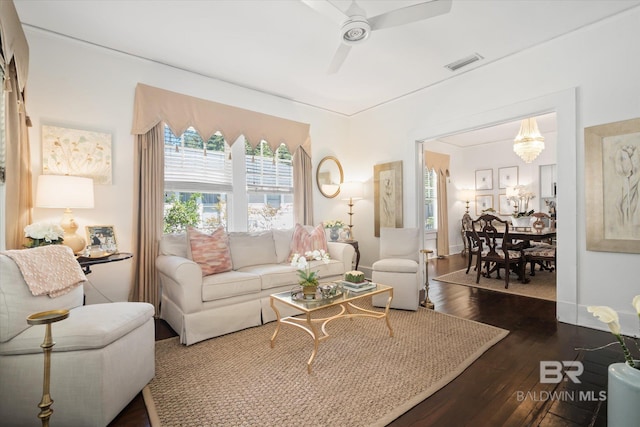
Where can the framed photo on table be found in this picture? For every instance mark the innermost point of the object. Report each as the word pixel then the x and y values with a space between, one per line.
pixel 483 202
pixel 103 237
pixel 507 177
pixel 484 179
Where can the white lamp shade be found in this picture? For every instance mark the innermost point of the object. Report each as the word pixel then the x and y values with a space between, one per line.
pixel 64 191
pixel 467 194
pixel 353 190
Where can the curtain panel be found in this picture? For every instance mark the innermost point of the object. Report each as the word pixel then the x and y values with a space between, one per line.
pixel 440 163
pixel 14 60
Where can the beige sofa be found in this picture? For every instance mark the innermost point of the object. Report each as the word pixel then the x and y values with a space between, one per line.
pixel 198 307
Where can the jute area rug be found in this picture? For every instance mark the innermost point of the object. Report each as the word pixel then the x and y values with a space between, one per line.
pixel 542 285
pixel 361 376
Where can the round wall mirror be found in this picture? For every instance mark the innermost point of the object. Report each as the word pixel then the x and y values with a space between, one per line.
pixel 329 177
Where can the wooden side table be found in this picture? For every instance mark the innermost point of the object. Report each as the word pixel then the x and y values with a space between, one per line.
pixel 353 243
pixel 87 262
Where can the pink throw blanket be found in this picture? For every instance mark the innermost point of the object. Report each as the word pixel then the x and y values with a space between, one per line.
pixel 48 270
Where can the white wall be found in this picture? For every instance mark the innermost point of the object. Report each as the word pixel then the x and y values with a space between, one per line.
pixel 597 61
pixel 74 84
pixel 84 86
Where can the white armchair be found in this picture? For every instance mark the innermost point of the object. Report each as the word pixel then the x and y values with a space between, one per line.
pixel 103 356
pixel 399 267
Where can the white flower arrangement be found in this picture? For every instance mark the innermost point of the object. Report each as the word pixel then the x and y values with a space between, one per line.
pixel 308 277
pixel 610 317
pixel 334 224
pixel 520 197
pixel 43 233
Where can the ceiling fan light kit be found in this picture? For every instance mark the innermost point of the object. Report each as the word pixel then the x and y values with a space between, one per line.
pixel 355 27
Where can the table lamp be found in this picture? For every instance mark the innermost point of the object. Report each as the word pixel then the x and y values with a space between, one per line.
pixel 351 191
pixel 467 195
pixel 66 192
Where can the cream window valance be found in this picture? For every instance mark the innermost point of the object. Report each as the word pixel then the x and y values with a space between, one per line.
pixel 178 111
pixel 14 42
pixel 437 161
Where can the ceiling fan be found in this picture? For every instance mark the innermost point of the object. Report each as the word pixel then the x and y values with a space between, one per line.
pixel 355 26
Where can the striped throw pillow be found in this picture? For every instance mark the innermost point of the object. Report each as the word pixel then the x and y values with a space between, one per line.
pixel 303 241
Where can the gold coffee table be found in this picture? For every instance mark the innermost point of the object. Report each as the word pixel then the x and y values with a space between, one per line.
pixel 317 327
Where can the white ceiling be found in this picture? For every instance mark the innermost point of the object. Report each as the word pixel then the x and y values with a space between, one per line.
pixel 284 47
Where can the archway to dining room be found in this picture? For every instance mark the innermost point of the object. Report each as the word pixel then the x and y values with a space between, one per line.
pixel 558 108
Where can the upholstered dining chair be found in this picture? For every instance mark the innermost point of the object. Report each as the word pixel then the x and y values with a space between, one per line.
pixel 496 251
pixel 399 267
pixel 542 254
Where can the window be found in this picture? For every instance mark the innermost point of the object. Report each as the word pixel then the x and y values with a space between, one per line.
pixel 211 185
pixel 270 187
pixel 430 199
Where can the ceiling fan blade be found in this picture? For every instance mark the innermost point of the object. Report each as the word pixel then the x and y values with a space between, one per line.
pixel 338 58
pixel 327 9
pixel 409 14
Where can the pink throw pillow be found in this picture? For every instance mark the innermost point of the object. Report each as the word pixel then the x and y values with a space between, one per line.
pixel 303 241
pixel 210 251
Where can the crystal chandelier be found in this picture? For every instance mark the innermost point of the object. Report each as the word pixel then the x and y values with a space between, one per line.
pixel 529 143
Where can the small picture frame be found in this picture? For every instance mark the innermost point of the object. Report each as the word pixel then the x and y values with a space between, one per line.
pixel 484 179
pixel 504 207
pixel 483 202
pixel 507 177
pixel 102 237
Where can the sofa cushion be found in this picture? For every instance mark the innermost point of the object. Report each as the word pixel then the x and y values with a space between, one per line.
pixel 175 244
pixel 252 249
pixel 16 301
pixel 395 265
pixel 282 239
pixel 274 275
pixel 87 327
pixel 210 251
pixel 229 284
pixel 304 241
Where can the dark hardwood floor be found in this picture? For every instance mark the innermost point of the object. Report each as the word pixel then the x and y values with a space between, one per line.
pixel 502 388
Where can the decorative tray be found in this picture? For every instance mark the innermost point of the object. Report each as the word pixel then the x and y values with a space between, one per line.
pixel 299 296
pixel 101 255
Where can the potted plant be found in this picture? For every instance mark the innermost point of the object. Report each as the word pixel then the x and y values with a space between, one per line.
pixel 334 227
pixel 42 234
pixel 309 279
pixel 623 390
pixel 520 196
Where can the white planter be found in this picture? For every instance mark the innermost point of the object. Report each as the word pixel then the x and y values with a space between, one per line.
pixel 623 396
pixel 523 221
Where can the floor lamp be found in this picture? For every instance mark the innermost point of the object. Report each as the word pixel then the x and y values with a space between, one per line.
pixel 351 191
pixel 66 192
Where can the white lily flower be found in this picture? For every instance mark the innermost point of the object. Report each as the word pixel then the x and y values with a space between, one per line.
pixel 607 315
pixel 636 304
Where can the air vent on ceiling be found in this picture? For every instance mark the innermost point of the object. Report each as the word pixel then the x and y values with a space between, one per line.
pixel 456 65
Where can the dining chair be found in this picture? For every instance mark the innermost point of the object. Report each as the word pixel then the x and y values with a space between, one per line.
pixel 471 248
pixel 496 251
pixel 541 253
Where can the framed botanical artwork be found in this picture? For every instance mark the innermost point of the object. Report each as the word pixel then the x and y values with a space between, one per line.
pixel 504 205
pixel 103 237
pixel 612 180
pixel 483 202
pixel 67 151
pixel 387 189
pixel 484 179
pixel 507 177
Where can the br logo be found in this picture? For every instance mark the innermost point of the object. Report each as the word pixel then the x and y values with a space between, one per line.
pixel 552 371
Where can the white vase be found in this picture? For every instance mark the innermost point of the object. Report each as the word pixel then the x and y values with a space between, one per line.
pixel 522 221
pixel 623 396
